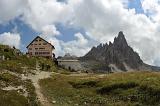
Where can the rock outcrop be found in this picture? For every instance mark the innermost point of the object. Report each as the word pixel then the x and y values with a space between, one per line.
pixel 117 55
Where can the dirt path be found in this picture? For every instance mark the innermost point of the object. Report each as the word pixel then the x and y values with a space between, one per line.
pixel 35 78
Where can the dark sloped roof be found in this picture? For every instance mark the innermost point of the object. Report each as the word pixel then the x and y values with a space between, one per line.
pixel 42 39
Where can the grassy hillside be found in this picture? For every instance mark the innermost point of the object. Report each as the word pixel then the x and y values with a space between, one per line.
pixel 10 95
pixel 16 61
pixel 15 91
pixel 119 89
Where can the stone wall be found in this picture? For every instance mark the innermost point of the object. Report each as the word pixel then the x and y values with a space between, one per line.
pixel 70 64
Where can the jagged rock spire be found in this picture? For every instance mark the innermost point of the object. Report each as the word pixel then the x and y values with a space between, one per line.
pixel 116 53
pixel 120 40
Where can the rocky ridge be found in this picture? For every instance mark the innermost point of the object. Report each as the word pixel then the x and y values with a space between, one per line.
pixel 115 56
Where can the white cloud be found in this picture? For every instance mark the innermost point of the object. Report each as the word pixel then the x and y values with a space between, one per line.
pixel 58 46
pixel 81 40
pixel 9 9
pixel 50 30
pixel 152 7
pixel 77 47
pixel 11 39
pixel 40 13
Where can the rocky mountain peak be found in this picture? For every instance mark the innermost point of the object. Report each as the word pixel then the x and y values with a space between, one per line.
pixel 100 46
pixel 121 35
pixel 118 53
pixel 110 43
pixel 120 40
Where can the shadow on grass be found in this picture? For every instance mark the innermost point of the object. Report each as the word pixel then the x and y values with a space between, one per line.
pixel 85 84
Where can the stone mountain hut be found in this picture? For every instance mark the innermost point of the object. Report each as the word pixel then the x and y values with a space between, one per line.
pixel 40 47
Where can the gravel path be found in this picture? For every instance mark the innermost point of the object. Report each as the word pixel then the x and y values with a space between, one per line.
pixel 35 78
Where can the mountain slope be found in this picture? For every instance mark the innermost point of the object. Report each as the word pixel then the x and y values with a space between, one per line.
pixel 115 56
pixel 19 76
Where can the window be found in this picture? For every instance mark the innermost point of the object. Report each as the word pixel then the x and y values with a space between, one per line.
pixel 40 44
pixel 36 40
pixel 36 53
pixel 30 48
pixel 46 53
pixel 35 44
pixel 36 48
pixel 40 52
pixel 40 40
pixel 44 43
pixel 41 48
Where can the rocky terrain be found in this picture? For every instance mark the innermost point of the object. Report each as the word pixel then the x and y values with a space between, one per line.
pixel 116 56
pixel 68 56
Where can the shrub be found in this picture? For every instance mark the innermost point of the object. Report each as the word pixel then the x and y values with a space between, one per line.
pixel 109 88
pixel 149 95
pixel 11 65
pixel 83 84
pixel 12 98
pixel 10 79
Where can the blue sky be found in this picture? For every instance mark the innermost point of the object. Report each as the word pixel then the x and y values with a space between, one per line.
pixel 136 4
pixel 75 26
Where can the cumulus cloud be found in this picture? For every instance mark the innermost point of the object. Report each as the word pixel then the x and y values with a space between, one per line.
pixel 152 7
pixel 9 9
pixel 11 39
pixel 50 30
pixel 40 13
pixel 77 47
pixel 101 19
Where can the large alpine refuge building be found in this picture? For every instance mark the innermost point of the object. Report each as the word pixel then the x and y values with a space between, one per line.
pixel 40 47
